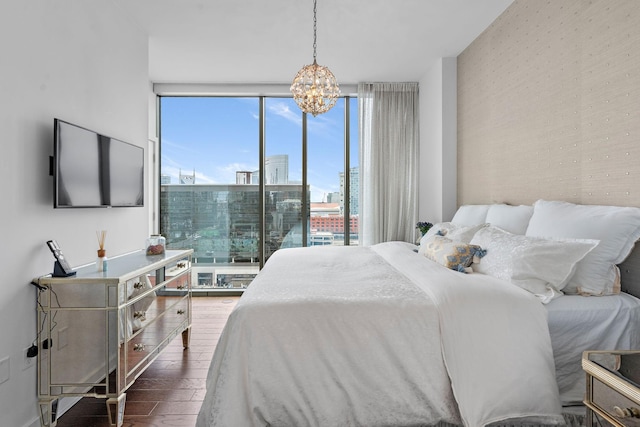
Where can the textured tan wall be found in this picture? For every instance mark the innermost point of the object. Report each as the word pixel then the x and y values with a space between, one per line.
pixel 549 105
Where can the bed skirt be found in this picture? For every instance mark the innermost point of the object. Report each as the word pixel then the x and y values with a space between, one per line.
pixel 574 418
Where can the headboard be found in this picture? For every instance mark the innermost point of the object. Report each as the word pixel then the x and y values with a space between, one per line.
pixel 630 272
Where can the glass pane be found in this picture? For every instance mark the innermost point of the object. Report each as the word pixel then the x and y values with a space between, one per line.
pixel 209 188
pixel 283 175
pixel 325 175
pixel 209 192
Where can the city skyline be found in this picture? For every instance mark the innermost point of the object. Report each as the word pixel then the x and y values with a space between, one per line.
pixel 215 137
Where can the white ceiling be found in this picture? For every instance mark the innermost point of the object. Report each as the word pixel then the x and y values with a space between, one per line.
pixel 268 41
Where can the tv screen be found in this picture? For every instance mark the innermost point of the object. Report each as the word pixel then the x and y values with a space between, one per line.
pixel 94 170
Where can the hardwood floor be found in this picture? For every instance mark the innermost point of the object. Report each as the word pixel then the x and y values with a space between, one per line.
pixel 171 390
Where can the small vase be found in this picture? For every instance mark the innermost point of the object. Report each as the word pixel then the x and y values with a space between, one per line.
pixel 101 262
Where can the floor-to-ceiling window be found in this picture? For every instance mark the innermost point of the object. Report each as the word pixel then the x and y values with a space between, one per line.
pixel 232 174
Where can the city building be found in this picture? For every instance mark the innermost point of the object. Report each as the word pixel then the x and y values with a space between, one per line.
pixel 187 179
pixel 244 177
pixel 354 185
pixel 276 169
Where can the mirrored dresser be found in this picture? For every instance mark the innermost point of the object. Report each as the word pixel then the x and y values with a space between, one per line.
pixel 98 331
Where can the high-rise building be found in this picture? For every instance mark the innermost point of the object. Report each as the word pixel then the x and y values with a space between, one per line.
pixel 354 185
pixel 333 197
pixel 276 169
pixel 187 179
pixel 222 221
pixel 165 179
pixel 244 177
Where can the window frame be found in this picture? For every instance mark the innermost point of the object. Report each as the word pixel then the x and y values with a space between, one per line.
pixel 274 91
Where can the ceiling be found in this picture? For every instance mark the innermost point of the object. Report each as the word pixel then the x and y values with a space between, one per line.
pixel 268 41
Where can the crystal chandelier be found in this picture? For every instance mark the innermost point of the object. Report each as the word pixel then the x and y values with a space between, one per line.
pixel 315 88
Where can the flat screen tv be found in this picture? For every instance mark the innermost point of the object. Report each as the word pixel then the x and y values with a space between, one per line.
pixel 91 170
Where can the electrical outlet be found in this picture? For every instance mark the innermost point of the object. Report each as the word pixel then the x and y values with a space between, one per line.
pixel 27 361
pixel 62 338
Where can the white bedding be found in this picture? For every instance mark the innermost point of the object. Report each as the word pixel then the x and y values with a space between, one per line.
pixel 578 323
pixel 329 336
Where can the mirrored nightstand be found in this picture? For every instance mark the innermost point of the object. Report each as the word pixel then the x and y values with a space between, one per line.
pixel 613 387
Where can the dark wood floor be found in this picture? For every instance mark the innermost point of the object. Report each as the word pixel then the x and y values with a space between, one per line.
pixel 171 390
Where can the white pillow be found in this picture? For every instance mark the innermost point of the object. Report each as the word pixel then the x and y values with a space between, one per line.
pixel 540 266
pixel 513 219
pixel 470 215
pixel 454 232
pixel 617 228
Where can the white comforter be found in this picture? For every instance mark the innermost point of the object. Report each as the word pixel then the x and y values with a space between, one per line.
pixel 379 336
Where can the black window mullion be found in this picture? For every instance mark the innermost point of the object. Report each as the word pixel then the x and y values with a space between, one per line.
pixel 347 175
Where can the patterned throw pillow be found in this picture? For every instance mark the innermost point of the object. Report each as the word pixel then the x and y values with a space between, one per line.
pixel 454 232
pixel 454 255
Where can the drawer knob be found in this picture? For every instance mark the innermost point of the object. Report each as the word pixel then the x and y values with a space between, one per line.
pixel 181 311
pixel 138 347
pixel 626 412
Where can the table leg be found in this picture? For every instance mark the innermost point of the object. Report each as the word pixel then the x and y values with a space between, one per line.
pixel 115 409
pixel 186 334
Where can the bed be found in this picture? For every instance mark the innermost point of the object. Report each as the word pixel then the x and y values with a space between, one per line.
pixel 400 335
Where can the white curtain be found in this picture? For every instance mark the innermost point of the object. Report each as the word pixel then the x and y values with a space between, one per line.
pixel 389 156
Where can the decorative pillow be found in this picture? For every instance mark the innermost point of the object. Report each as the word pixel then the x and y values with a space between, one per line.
pixel 453 255
pixel 455 232
pixel 471 215
pixel 540 266
pixel 513 219
pixel 617 228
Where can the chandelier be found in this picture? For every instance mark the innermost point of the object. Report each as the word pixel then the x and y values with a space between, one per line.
pixel 315 88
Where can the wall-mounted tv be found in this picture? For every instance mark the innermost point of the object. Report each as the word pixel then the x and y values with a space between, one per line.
pixel 91 170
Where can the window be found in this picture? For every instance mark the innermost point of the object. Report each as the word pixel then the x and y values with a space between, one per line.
pixel 234 193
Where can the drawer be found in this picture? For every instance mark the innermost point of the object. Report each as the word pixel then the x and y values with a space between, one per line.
pixel 134 287
pixel 606 399
pixel 176 277
pixel 179 283
pixel 166 318
pixel 147 309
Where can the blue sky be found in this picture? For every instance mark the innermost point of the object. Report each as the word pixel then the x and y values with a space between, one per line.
pixel 218 136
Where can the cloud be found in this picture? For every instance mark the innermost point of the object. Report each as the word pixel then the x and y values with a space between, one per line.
pixel 282 109
pixel 227 173
pixel 319 124
pixel 168 145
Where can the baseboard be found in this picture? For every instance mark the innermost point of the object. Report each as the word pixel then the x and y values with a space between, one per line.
pixel 34 423
pixel 66 403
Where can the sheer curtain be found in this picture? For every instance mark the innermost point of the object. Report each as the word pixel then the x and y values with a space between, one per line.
pixel 389 156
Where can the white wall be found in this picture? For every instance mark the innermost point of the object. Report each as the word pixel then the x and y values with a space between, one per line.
pixel 438 139
pixel 81 61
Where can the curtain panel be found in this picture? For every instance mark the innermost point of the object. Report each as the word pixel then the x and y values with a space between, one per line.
pixel 389 156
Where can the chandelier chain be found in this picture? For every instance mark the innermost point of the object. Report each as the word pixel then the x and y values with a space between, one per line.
pixel 315 26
